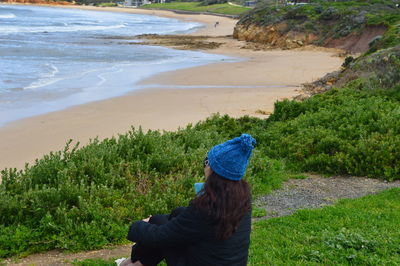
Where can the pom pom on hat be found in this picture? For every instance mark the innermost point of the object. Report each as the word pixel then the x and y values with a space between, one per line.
pixel 230 159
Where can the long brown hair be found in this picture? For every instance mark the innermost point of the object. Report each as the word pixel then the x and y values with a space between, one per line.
pixel 225 201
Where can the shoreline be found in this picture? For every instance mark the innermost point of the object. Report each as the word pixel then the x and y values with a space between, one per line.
pixel 248 87
pixel 225 26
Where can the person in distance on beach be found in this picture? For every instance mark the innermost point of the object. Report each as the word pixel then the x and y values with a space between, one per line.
pixel 215 228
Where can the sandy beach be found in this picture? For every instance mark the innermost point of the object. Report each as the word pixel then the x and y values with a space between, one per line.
pixel 248 87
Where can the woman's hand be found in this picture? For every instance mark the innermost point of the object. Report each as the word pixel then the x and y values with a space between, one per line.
pixel 146 219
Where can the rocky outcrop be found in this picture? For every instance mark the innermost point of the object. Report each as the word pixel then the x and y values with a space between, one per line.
pixel 272 36
pixel 319 86
pixel 276 36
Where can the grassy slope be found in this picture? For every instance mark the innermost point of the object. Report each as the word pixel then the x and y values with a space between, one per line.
pixel 353 232
pixel 225 9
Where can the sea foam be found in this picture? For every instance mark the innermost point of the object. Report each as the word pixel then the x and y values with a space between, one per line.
pixel 64 28
pixel 9 15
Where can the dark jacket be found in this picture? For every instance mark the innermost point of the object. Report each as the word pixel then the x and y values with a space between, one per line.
pixel 195 231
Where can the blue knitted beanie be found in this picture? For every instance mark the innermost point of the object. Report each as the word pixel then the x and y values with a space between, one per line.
pixel 230 159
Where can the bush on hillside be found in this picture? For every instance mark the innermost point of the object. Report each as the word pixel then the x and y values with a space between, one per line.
pixel 390 39
pixel 341 132
pixel 373 71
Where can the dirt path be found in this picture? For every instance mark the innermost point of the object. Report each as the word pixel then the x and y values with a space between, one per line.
pixel 313 192
pixel 317 192
pixel 58 258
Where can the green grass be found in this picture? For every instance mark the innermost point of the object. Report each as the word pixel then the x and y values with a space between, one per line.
pixel 107 4
pixel 258 212
pixel 94 262
pixel 225 9
pixel 353 232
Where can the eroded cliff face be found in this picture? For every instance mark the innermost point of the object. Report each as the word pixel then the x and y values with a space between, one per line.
pixel 272 36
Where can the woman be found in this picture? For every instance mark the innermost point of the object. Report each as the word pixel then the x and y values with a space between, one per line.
pixel 215 228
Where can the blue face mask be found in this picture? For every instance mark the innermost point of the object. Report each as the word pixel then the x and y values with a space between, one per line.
pixel 198 187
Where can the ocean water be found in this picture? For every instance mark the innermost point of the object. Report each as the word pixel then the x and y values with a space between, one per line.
pixel 54 58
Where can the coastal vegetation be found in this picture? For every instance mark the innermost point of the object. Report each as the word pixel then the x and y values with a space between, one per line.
pixel 84 198
pixel 219 8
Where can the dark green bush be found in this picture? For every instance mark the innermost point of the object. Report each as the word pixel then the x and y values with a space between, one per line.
pixel 347 61
pixel 341 132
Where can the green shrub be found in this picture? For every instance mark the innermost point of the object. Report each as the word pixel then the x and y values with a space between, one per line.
pixel 85 198
pixel 341 132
